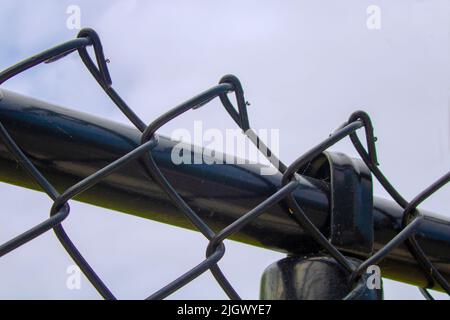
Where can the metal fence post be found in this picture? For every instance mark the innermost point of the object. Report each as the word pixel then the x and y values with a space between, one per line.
pixel 316 277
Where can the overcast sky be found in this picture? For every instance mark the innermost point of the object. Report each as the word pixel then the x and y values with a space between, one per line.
pixel 305 66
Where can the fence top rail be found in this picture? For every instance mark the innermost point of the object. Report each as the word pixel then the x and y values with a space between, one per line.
pixel 78 144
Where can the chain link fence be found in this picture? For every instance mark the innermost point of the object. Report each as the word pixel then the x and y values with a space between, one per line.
pixel 229 84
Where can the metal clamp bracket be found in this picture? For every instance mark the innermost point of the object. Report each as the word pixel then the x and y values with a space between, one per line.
pixel 351 200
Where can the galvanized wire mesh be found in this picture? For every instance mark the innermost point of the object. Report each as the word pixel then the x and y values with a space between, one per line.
pixel 412 217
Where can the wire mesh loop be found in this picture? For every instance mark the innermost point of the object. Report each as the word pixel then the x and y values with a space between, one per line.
pixel 412 218
pixel 100 72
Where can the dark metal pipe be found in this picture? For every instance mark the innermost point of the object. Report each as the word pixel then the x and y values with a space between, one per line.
pixel 67 146
pixel 313 278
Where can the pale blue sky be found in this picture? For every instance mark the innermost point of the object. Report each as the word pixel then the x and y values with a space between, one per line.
pixel 305 66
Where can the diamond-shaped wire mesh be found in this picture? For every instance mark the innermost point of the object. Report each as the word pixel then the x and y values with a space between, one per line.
pixel 412 217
